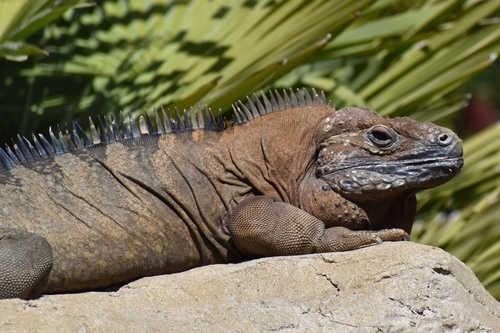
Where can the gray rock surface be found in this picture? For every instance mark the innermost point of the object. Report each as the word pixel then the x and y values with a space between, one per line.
pixel 393 287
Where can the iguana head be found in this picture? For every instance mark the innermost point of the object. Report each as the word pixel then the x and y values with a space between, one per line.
pixel 367 169
pixel 365 156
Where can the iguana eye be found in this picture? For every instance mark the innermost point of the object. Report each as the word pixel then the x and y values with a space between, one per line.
pixel 381 136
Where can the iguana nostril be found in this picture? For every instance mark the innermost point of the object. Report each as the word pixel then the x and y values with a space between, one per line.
pixel 444 139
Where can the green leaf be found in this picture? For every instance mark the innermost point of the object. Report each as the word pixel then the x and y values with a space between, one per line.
pixel 20 19
pixel 19 51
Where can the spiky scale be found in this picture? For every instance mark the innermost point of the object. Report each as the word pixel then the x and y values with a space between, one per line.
pixel 72 141
pixel 293 98
pixel 307 96
pixel 103 132
pixel 34 153
pixel 209 116
pixel 300 97
pixel 220 120
pixel 76 138
pixel 159 123
pixel 133 127
pixel 143 127
pixel 187 120
pixel 253 108
pixel 20 155
pixel 38 151
pixel 4 158
pixel 201 119
pixel 178 120
pixel 274 103
pixel 86 140
pixel 114 127
pixel 108 129
pixel 93 132
pixel 192 116
pixel 46 146
pixel 55 143
pixel 237 114
pixel 248 114
pixel 260 107
pixel 315 97
pixel 166 121
pixel 126 131
pixel 242 110
pixel 151 128
pixel 281 103
pixel 267 104
pixel 62 139
pixel 12 155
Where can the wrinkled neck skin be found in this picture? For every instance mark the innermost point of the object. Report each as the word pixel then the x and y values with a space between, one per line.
pixel 333 209
pixel 276 150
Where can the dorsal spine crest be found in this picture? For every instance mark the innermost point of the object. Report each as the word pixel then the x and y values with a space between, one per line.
pixel 106 132
pixel 275 102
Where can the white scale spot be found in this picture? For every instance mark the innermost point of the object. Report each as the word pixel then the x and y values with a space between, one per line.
pixel 328 124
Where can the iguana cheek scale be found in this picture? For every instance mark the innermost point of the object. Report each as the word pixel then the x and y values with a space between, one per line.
pixel 291 176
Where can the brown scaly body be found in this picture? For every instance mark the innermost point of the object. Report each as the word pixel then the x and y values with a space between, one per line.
pixel 293 176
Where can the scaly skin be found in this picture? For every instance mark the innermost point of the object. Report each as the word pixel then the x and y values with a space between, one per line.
pixel 296 181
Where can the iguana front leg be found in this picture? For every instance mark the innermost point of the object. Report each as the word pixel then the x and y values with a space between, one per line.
pixel 265 226
pixel 25 263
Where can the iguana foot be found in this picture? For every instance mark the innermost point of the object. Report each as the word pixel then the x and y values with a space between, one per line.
pixel 343 239
pixel 25 263
pixel 265 226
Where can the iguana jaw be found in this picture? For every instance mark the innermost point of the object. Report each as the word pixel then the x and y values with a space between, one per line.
pixel 392 176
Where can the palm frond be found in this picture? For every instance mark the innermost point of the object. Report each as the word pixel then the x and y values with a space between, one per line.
pixel 20 19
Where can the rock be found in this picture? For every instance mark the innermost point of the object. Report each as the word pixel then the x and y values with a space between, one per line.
pixel 393 287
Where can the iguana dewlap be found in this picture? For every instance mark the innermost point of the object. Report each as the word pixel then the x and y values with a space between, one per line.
pixel 292 176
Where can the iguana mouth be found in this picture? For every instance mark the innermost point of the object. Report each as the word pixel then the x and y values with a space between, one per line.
pixel 391 176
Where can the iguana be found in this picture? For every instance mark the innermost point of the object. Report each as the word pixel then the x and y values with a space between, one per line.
pixel 292 175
